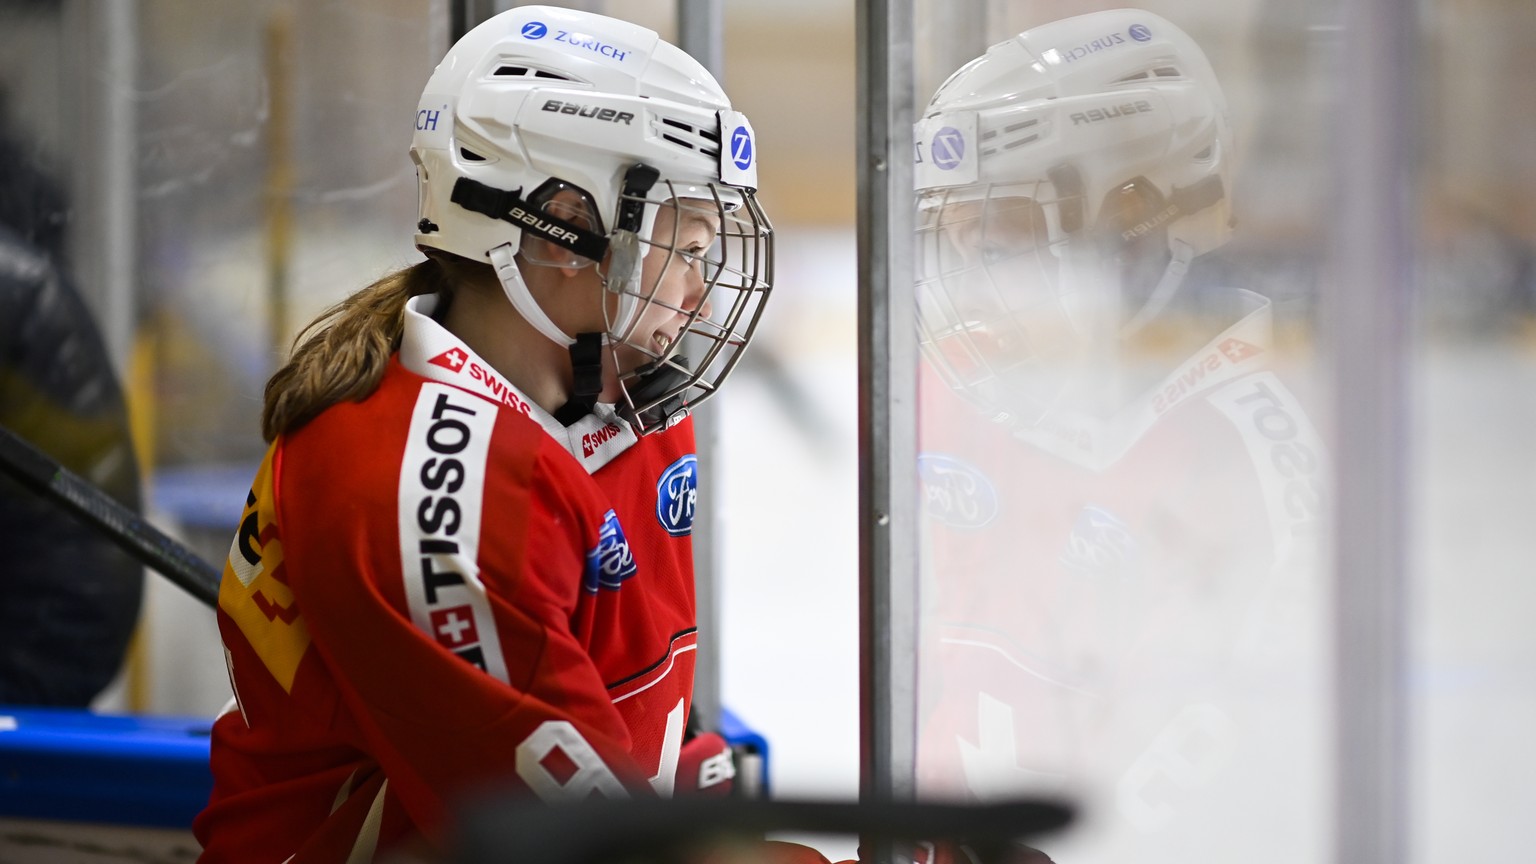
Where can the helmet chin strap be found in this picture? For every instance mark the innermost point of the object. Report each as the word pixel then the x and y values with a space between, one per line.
pixel 586 348
pixel 586 378
pixel 1172 278
pixel 504 259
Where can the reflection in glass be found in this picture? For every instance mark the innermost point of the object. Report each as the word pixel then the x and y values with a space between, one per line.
pixel 1122 491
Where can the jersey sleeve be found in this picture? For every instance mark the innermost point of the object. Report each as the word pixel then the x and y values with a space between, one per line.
pixel 452 647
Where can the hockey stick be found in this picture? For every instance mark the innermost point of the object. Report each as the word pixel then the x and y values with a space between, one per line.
pixel 39 472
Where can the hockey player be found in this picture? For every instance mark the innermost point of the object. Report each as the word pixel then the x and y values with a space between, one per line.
pixel 465 559
pixel 1105 551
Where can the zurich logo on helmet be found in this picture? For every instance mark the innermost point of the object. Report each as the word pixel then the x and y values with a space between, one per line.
pixel 534 30
pixel 955 492
pixel 677 493
pixel 611 561
pixel 1140 33
pixel 741 148
pixel 948 148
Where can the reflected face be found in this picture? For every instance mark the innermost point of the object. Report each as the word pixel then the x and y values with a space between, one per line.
pixel 991 298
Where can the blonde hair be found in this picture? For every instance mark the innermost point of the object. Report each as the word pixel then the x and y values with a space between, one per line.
pixel 342 354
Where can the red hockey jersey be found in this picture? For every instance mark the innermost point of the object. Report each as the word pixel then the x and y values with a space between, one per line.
pixel 439 588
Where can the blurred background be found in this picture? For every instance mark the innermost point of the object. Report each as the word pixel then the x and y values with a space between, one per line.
pixel 212 176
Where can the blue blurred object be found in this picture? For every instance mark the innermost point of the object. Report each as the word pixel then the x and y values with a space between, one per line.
pixel 76 766
pixel 208 497
pixel 148 771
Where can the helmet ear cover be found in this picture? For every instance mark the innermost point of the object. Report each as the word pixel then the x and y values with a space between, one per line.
pixel 1136 214
pixel 509 205
pixel 557 198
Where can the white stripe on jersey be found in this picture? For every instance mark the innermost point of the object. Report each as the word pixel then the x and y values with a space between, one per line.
pixel 442 484
pixel 1288 458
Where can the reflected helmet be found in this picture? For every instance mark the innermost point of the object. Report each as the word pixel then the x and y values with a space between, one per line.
pixel 1065 180
pixel 574 129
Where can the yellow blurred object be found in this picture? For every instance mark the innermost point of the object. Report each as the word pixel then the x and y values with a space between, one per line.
pixel 139 396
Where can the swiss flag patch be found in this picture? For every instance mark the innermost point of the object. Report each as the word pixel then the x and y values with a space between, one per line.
pixel 1235 350
pixel 455 627
pixel 453 359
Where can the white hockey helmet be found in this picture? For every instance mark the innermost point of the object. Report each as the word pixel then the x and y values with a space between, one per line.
pixel 1076 168
pixel 540 100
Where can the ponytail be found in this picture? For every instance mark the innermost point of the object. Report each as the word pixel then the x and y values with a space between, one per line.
pixel 344 351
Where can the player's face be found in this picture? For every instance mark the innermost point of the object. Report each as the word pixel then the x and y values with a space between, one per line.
pixel 673 279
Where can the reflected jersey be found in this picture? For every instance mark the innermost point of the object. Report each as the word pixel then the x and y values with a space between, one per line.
pixel 1100 589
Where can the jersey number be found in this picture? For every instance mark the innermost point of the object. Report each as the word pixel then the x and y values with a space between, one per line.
pixel 591 774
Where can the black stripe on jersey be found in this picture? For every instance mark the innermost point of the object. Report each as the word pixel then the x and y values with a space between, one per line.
pixel 660 660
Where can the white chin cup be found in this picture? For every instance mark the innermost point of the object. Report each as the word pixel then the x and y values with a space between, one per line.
pixel 504 260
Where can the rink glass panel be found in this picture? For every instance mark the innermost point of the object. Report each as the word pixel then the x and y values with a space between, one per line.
pixel 223 175
pixel 1471 466
pixel 248 166
pixel 1122 539
pixel 1127 582
pixel 271 183
pixel 229 174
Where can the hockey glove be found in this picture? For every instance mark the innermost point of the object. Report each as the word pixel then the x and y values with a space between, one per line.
pixel 705 767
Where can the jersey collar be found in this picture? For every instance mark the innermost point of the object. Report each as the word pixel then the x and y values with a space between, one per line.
pixel 1098 442
pixel 431 351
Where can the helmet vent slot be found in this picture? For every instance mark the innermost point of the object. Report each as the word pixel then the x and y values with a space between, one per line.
pixel 527 72
pixel 1008 139
pixel 1156 72
pixel 692 137
pixel 470 156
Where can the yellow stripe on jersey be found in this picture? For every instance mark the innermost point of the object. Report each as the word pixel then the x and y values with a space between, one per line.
pixel 254 593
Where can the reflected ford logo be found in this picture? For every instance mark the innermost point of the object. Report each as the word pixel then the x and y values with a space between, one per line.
pixel 534 30
pixel 955 492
